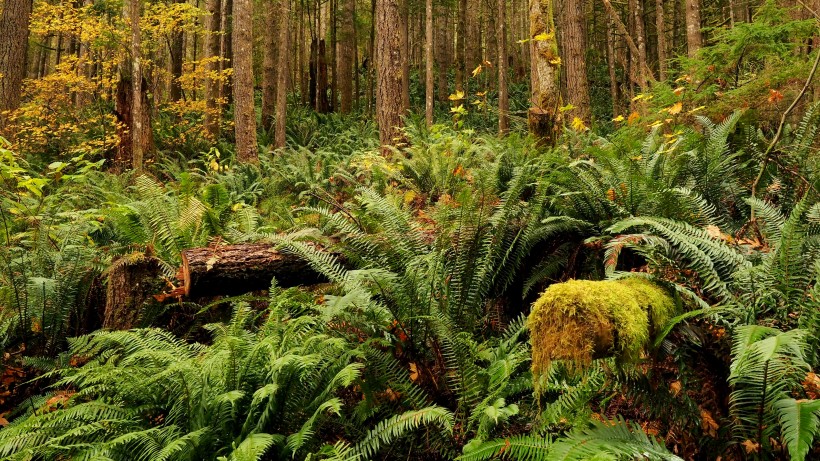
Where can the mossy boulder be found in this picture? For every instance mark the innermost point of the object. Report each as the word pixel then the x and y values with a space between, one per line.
pixel 579 320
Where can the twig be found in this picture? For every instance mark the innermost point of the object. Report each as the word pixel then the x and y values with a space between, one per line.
pixel 779 133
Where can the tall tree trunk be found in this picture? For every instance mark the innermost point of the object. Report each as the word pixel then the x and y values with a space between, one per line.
pixel 645 74
pixel 14 22
pixel 177 58
pixel 636 9
pixel 273 18
pixel 443 42
pixel 404 28
pixel 428 64
pixel 244 114
pixel 611 65
pixel 283 74
pixel 573 36
pixel 461 39
pixel 334 62
pixel 694 38
pixel 389 65
pixel 347 47
pixel 491 39
pixel 503 95
pixel 660 25
pixel 544 117
pixel 213 84
pixel 227 50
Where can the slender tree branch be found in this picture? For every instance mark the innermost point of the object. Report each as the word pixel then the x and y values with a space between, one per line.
pixel 767 155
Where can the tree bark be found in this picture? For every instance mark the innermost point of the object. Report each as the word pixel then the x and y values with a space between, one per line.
pixel 14 22
pixel 177 58
pixel 273 18
pixel 636 9
pixel 428 65
pixel 660 25
pixel 694 38
pixel 238 269
pixel 283 75
pixel 503 95
pixel 131 285
pixel 574 47
pixel 443 42
pixel 614 90
pixel 404 34
pixel 544 116
pixel 213 83
pixel 244 114
pixel 389 69
pixel 461 39
pixel 645 74
pixel 347 47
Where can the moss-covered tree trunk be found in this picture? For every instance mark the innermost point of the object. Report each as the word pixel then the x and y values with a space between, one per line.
pixel 544 118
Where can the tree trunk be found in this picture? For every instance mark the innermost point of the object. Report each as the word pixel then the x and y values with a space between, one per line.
pixel 573 36
pixel 132 101
pixel 461 39
pixel 636 9
pixel 14 22
pixel 244 114
pixel 428 64
pixel 273 18
pixel 227 50
pixel 177 58
pixel 694 38
pixel 443 60
pixel 238 269
pixel 283 74
pixel 131 285
pixel 660 25
pixel 389 69
pixel 611 65
pixel 503 95
pixel 334 62
pixel 347 47
pixel 404 28
pixel 644 73
pixel 213 84
pixel 544 116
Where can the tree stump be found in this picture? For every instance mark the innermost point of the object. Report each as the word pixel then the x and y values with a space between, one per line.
pixel 132 282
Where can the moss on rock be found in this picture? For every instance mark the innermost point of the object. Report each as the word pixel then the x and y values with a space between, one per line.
pixel 579 320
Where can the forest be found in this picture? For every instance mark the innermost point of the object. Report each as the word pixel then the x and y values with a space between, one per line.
pixel 357 230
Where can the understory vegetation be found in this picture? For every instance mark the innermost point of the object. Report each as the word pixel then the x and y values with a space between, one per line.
pixel 646 289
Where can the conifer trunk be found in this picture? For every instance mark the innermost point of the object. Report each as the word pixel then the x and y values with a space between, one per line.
pixel 244 114
pixel 428 68
pixel 14 22
pixel 269 61
pixel 213 86
pixel 347 47
pixel 282 84
pixel 389 69
pixel 574 46
pixel 694 38
pixel 503 95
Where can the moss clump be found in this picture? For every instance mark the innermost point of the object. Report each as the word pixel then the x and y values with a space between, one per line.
pixel 579 320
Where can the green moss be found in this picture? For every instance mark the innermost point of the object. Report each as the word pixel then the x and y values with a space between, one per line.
pixel 580 320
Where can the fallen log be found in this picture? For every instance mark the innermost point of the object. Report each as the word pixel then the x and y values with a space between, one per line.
pixel 237 269
pixel 579 320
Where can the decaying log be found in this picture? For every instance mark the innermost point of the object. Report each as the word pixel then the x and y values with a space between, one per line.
pixel 238 269
pixel 132 282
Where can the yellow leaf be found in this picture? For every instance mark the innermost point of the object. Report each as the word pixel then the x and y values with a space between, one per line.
pixel 556 61
pixel 578 124
pixel 542 37
pixel 619 118
pixel 459 95
pixel 696 109
pixel 675 109
pixel 679 90
pixel 633 117
pixel 477 70
pixel 658 123
pixel 566 108
pixel 481 94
